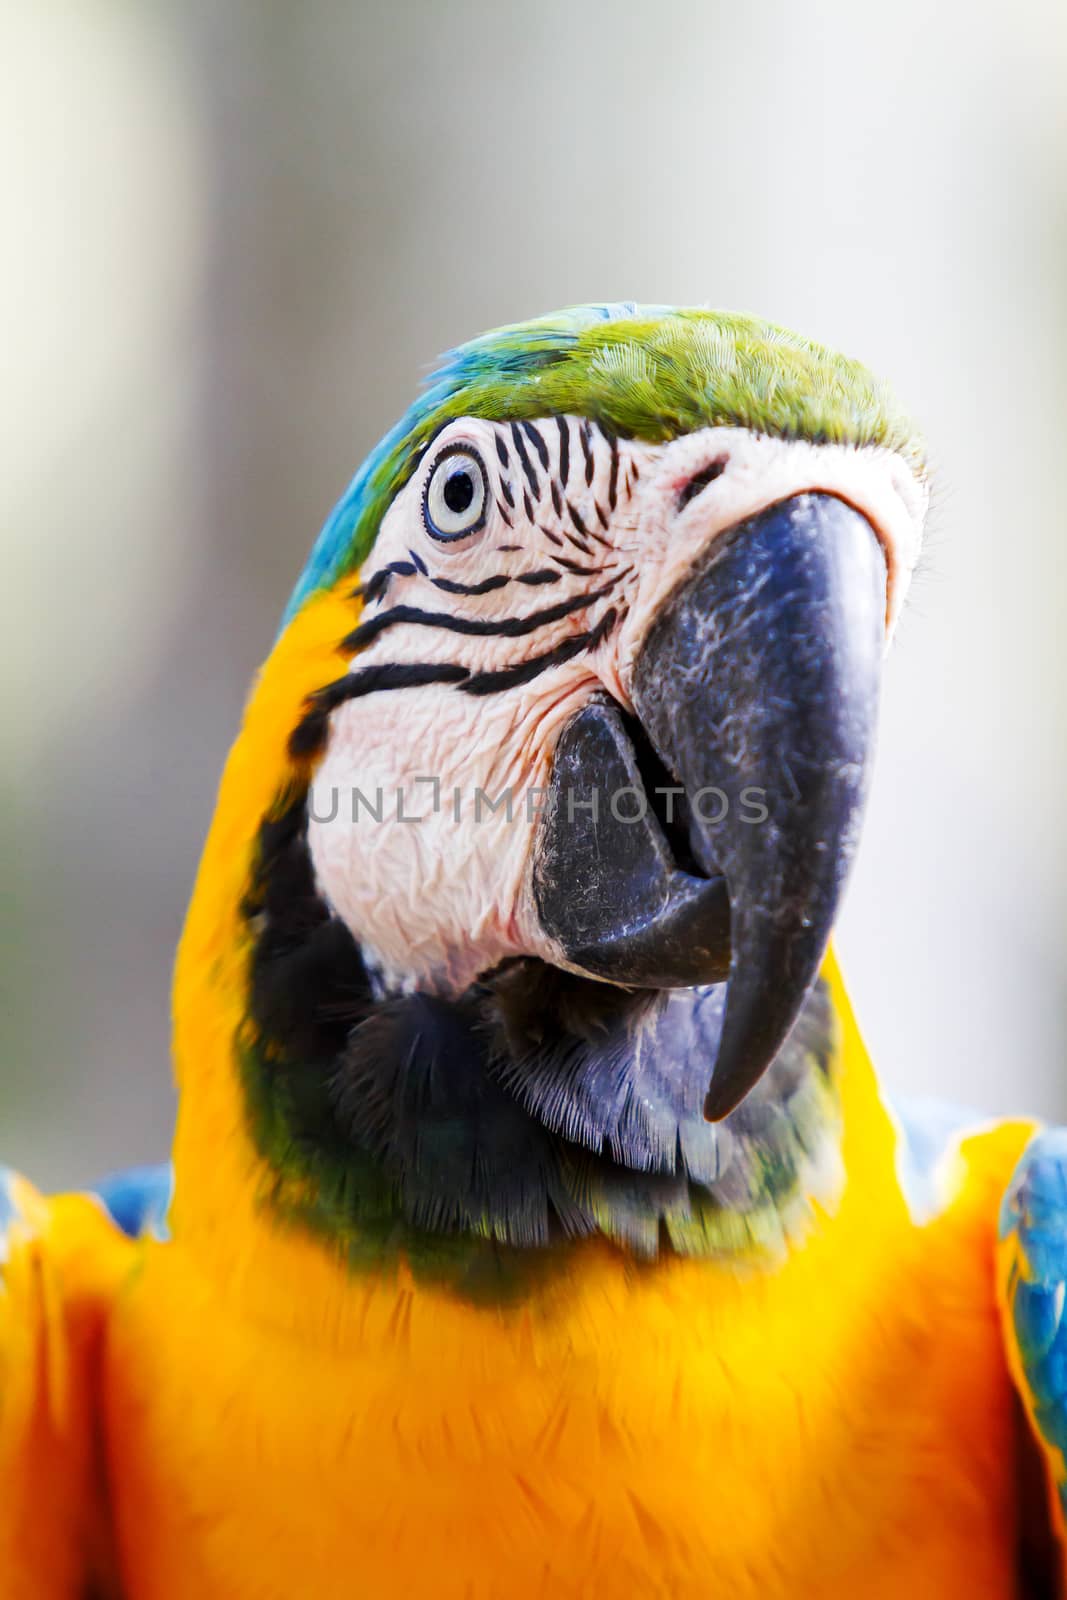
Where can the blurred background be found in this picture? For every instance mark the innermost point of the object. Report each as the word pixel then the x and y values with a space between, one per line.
pixel 234 236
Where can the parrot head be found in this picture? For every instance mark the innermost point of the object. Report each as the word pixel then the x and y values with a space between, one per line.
pixel 568 733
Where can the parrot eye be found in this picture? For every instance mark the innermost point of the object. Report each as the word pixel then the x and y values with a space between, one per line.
pixel 454 501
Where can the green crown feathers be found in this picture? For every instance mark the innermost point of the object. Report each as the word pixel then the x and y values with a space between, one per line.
pixel 645 372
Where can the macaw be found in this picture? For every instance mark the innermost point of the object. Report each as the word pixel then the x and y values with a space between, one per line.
pixel 536 1224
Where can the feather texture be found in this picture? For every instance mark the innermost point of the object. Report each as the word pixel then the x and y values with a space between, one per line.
pixel 645 372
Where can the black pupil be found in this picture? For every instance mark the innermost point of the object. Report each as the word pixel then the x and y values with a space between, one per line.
pixel 459 491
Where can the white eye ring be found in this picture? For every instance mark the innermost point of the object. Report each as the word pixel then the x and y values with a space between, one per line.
pixel 456 494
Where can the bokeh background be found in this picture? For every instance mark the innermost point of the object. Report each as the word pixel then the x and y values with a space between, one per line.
pixel 233 236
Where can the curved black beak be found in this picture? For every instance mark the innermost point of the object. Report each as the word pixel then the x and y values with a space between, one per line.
pixel 757 691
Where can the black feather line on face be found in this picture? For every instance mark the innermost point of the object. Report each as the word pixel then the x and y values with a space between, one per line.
pixel 527 465
pixel 577 543
pixel 378 582
pixel 499 580
pixel 309 735
pixel 525 671
pixel 585 435
pixel 477 627
pixel 575 517
pixel 564 449
pixel 538 443
pixel 534 578
pixel 576 566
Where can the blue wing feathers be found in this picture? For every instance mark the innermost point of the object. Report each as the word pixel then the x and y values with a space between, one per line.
pixel 137 1199
pixel 1034 1217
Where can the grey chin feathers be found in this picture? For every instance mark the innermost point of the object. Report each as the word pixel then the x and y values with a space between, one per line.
pixel 757 692
pixel 533 1110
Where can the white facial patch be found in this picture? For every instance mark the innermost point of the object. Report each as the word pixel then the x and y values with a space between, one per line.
pixel 747 473
pixel 515 574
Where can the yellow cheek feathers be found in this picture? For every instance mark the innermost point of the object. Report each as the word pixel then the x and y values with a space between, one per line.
pixel 217 1172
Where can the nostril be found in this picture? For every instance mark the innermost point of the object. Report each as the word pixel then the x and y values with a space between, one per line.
pixel 708 474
